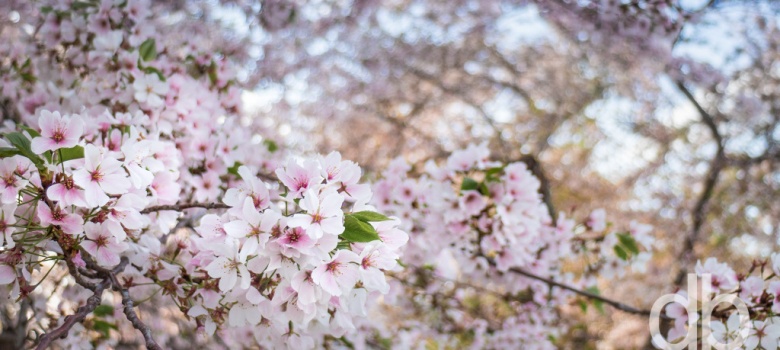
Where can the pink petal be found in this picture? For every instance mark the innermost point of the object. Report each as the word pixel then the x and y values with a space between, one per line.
pixel 7 275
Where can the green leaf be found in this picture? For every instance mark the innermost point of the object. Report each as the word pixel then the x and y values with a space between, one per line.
pixel 103 327
pixel 628 242
pixel 33 133
pixel 152 70
pixel 8 152
pixel 597 303
pixel 80 5
pixel 46 9
pixel 583 305
pixel 492 174
pixel 271 145
pixel 483 188
pixel 469 184
pixel 103 310
pixel 234 169
pixel 22 143
pixel 28 77
pixel 212 72
pixel 620 252
pixel 75 152
pixel 367 216
pixel 25 65
pixel 358 231
pixel 148 50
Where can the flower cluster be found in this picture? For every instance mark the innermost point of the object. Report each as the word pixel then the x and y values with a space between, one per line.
pixel 758 289
pixel 121 137
pixel 481 237
pixel 295 267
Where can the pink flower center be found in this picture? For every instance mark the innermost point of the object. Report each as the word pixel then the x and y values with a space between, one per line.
pixel 294 235
pixel 10 180
pixel 96 176
pixel 301 183
pixel 101 241
pixel 68 183
pixel 316 218
pixel 333 267
pixel 57 214
pixel 368 261
pixel 58 136
pixel 276 231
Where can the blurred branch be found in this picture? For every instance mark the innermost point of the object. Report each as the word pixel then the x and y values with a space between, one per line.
pixel 536 168
pixel 463 97
pixel 615 304
pixel 700 210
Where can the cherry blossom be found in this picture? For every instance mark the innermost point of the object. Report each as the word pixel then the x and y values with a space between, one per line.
pixel 150 90
pixel 10 182
pixel 7 221
pixel 232 265
pixel 323 213
pixel 102 244
pixel 57 131
pixel 337 274
pixel 100 177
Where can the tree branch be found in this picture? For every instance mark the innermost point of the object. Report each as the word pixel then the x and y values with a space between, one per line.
pixel 617 305
pixel 127 302
pixel 536 168
pixel 182 206
pixel 700 210
pixel 82 312
pixel 79 316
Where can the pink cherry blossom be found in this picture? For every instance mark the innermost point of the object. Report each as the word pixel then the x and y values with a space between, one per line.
pixel 337 274
pixel 100 177
pixel 7 220
pixel 723 277
pixel 10 180
pixel 597 220
pixel 231 265
pixel 150 90
pixel 71 224
pixel 102 244
pixel 774 290
pixel 66 193
pixel 57 131
pixel 323 214
pixel 299 178
pixel 7 274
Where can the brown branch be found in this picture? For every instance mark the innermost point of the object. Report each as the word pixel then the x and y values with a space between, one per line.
pixel 616 304
pixel 536 168
pixel 183 206
pixel 700 210
pixel 127 302
pixel 81 313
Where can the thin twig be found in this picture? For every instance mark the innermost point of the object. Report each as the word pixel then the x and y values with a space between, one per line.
pixel 616 304
pixel 183 206
pixel 700 210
